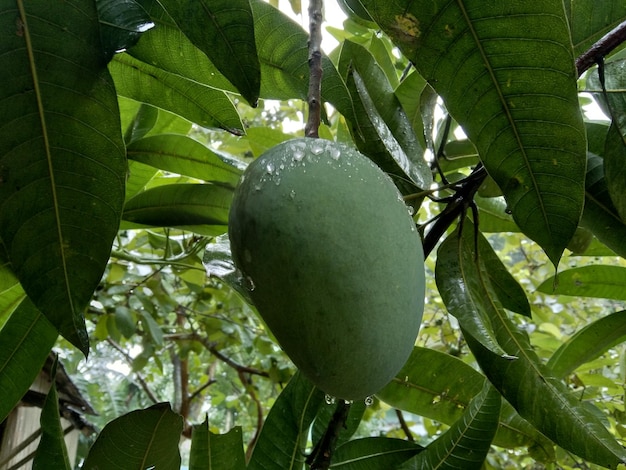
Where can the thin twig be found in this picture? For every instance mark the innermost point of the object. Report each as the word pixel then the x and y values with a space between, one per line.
pixel 140 379
pixel 211 346
pixel 601 48
pixel 315 69
pixel 246 381
pixel 404 426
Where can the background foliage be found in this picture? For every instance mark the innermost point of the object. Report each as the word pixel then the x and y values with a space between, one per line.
pixel 124 128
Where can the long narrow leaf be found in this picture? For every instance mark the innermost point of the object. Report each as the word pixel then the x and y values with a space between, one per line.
pixel 601 281
pixel 535 393
pixel 206 106
pixel 589 343
pixel 26 340
pixel 284 434
pixel 51 450
pixel 168 49
pixel 506 73
pixel 224 31
pixel 466 443
pixel 185 156
pixel 283 52
pixel 62 160
pixel 600 216
pixel 382 130
pixel 462 289
pixel 176 205
pixel 121 24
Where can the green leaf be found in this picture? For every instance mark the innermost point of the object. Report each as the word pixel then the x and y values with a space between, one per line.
pixel 381 128
pixel 601 281
pixel 224 31
pixel 185 156
pixel 139 440
pixel 51 450
pixel 262 139
pixel 614 104
pixel 167 48
pixel 544 401
pixel 282 46
pixel 62 160
pixel 466 290
pixel 614 169
pixel 413 85
pixel 506 73
pixel 206 106
pixel 218 262
pixel 139 175
pixel 11 293
pixel 505 286
pixel 440 387
pixel 284 434
pixel 466 443
pixel 175 205
pixel 143 121
pixel 121 24
pixel 590 20
pixel 151 328
pixel 535 393
pixel 493 216
pixel 600 216
pixel 589 343
pixel 26 339
pixel 211 451
pixel 373 453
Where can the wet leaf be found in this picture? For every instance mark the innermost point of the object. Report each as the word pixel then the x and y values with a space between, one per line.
pixel 381 128
pixel 283 52
pixel 122 23
pixel 465 288
pixel 506 74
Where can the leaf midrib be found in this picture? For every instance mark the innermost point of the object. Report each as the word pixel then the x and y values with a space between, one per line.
pixel 507 111
pixel 46 139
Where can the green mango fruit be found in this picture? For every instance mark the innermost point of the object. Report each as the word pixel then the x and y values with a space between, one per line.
pixel 333 263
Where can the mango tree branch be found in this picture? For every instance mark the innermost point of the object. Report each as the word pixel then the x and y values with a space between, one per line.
pixel 315 69
pixel 596 53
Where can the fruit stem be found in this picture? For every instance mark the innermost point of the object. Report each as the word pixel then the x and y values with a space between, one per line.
pixel 320 457
pixel 314 98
